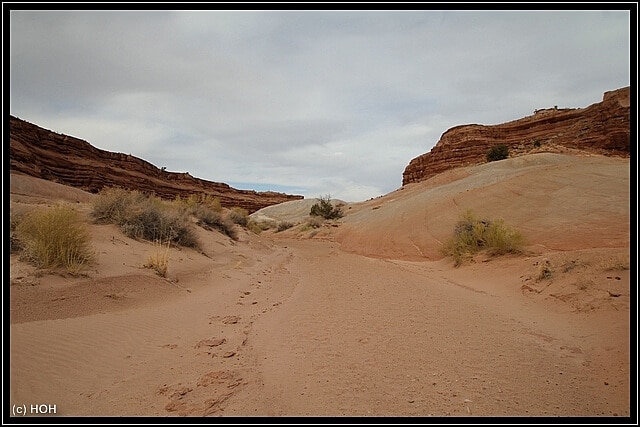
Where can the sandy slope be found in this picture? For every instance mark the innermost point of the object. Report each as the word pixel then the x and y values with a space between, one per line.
pixel 282 324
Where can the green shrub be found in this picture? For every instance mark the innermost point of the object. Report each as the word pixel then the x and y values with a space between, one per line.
pixel 537 143
pixel 498 152
pixel 472 235
pixel 55 237
pixel 325 209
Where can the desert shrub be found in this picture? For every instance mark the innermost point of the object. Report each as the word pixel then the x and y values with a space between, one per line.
pixel 498 152
pixel 211 219
pixel 472 235
pixel 113 205
pixel 315 222
pixel 193 201
pixel 325 209
pixel 284 225
pixel 265 225
pixel 158 260
pixel 238 216
pixel 254 227
pixel 537 143
pixel 142 217
pixel 152 221
pixel 55 237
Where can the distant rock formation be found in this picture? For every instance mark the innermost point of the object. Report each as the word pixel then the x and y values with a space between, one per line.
pixel 602 128
pixel 71 161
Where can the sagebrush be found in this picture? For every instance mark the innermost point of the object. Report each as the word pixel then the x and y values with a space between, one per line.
pixel 144 217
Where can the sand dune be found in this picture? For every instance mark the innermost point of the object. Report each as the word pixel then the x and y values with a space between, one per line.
pixel 364 319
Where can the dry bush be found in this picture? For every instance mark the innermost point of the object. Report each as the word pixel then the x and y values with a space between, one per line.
pixel 238 216
pixel 315 222
pixel 254 227
pixel 158 260
pixel 113 205
pixel 210 219
pixel 144 217
pixel 472 235
pixel 194 201
pixel 55 237
pixel 284 225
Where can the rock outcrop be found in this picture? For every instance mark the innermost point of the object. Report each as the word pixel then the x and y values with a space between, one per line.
pixel 602 128
pixel 74 162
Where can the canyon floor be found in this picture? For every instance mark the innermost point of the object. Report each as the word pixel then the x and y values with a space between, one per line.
pixel 361 317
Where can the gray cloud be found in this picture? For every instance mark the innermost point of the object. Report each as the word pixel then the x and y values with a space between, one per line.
pixel 322 102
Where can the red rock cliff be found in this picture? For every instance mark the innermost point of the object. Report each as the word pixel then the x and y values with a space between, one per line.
pixel 602 128
pixel 71 161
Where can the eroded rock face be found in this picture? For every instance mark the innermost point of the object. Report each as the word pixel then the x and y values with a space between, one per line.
pixel 601 128
pixel 71 161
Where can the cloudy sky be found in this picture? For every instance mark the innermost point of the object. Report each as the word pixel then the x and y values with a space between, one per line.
pixel 314 103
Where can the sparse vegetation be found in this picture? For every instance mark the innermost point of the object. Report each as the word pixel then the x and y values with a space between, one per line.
pixel 144 217
pixel 195 201
pixel 315 222
pixel 55 237
pixel 471 235
pixel 254 227
pixel 238 216
pixel 537 143
pixel 158 260
pixel 284 225
pixel 325 209
pixel 262 225
pixel 210 219
pixel 498 152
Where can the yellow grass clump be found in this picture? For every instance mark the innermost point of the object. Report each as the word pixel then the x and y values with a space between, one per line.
pixel 158 260
pixel 472 235
pixel 55 237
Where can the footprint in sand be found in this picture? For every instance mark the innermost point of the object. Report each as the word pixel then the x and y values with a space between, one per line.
pixel 211 342
pixel 211 389
pixel 170 346
pixel 230 320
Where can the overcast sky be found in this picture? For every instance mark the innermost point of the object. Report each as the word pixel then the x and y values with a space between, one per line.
pixel 309 103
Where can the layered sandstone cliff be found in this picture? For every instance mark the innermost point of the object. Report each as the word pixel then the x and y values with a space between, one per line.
pixel 602 128
pixel 71 161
